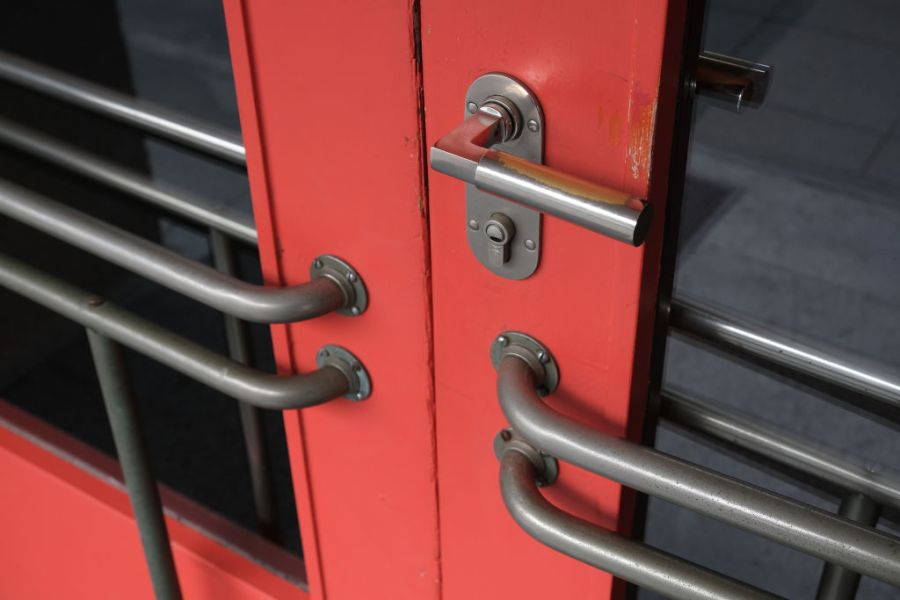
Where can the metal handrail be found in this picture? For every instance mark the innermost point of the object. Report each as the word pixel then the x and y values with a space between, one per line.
pixel 198 210
pixel 321 295
pixel 760 439
pixel 189 358
pixel 776 517
pixel 626 558
pixel 209 139
pixel 874 387
pixel 240 348
pixel 836 582
pixel 131 449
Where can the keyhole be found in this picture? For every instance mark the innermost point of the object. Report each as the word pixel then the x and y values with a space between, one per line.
pixel 499 230
pixel 495 233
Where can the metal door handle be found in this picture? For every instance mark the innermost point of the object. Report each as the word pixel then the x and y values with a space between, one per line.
pixel 340 373
pixel 734 82
pixel 334 285
pixel 607 550
pixel 465 153
pixel 526 371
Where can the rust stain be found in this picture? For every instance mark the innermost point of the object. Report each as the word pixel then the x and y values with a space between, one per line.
pixel 615 129
pixel 640 145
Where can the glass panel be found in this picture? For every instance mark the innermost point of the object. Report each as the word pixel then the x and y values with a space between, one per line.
pixel 791 218
pixel 174 54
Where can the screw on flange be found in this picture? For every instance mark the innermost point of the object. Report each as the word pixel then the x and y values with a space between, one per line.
pixel 359 384
pixel 471 107
pixel 348 279
pixel 539 358
pixel 530 245
pixel 546 467
pixel 473 225
pixel 533 125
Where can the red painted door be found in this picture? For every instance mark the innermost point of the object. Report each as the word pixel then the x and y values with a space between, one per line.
pixel 329 100
pixel 606 74
pixel 398 496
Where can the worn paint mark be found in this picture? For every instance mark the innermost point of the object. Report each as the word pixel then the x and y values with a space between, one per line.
pixel 640 144
pixel 615 129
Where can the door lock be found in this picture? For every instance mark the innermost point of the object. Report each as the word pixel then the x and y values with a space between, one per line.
pixel 500 231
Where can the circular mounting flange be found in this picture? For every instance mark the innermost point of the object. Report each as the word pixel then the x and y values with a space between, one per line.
pixel 344 360
pixel 546 466
pixel 346 278
pixel 490 86
pixel 532 352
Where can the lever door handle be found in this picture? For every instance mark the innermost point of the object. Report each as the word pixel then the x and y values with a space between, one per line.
pixel 734 82
pixel 465 153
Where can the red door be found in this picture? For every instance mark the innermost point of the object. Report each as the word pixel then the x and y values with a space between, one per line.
pixel 605 74
pixel 492 171
pixel 397 495
pixel 398 498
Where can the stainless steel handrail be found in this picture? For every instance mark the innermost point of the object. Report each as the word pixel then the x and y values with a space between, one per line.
pixel 131 449
pixel 323 294
pixel 626 558
pixel 836 582
pixel 733 430
pixel 776 517
pixel 240 349
pixel 182 203
pixel 810 364
pixel 209 139
pixel 218 372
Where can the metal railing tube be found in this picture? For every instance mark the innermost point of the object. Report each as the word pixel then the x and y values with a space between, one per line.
pixel 177 128
pixel 137 185
pixel 121 409
pixel 776 517
pixel 237 338
pixel 623 557
pixel 218 372
pixel 836 582
pixel 811 364
pixel 760 439
pixel 195 280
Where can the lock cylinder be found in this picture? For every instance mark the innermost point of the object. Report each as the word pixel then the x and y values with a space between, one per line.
pixel 499 230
